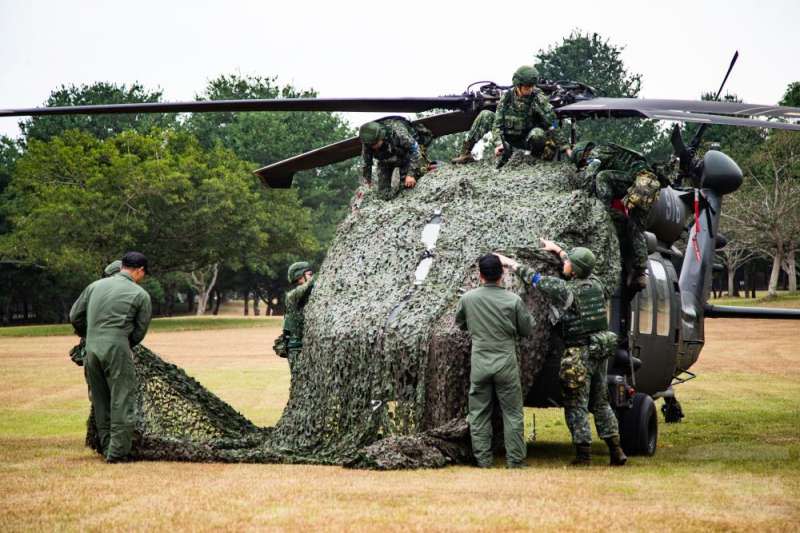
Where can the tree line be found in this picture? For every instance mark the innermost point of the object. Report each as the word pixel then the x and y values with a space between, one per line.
pixel 77 191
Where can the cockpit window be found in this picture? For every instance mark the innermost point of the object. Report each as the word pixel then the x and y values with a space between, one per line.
pixel 662 298
pixel 646 306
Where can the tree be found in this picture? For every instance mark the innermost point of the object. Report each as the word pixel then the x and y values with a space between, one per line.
pixel 792 95
pixel 766 208
pixel 76 202
pixel 594 60
pixel 264 138
pixel 99 126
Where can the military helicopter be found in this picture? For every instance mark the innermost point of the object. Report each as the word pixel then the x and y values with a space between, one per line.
pixel 661 327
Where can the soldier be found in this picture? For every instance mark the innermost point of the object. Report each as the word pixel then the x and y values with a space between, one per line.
pixel 580 302
pixel 113 314
pixel 396 143
pixel 614 172
pixel 524 120
pixel 301 276
pixel 495 318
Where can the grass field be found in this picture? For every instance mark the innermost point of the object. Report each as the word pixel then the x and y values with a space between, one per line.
pixel 732 464
pixel 188 323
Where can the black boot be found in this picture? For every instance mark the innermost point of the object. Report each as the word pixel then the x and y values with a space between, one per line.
pixel 583 455
pixel 618 457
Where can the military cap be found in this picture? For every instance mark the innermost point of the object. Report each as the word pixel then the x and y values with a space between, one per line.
pixel 296 270
pixel 525 75
pixel 371 132
pixel 112 268
pixel 135 260
pixel 582 260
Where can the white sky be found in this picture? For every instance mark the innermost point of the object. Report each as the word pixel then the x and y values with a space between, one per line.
pixel 383 48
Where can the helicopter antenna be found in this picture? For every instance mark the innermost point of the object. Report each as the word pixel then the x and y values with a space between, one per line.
pixel 697 136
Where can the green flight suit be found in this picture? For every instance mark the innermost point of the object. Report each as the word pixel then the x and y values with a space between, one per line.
pixel 113 314
pixel 583 365
pixel 495 319
pixel 294 318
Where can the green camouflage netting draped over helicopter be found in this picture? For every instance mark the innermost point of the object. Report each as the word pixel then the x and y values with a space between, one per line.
pixel 383 376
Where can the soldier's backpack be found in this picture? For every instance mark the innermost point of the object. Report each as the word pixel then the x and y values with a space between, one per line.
pixel 587 314
pixel 281 345
pixel 421 133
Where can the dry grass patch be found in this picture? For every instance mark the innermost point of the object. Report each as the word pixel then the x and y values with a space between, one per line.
pixel 733 464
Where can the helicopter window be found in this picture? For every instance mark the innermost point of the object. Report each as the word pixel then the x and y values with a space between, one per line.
pixel 662 298
pixel 646 308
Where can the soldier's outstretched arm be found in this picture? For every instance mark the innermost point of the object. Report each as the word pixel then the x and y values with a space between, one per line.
pixel 77 314
pixel 461 316
pixel 412 164
pixel 141 321
pixel 500 119
pixel 366 164
pixel 300 293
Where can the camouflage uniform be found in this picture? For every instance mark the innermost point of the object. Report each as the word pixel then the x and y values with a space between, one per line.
pixel 619 173
pixel 294 317
pixel 401 149
pixel 583 364
pixel 524 122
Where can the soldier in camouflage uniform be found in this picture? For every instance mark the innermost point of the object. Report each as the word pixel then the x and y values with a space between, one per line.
pixel 301 276
pixel 495 318
pixel 524 120
pixel 396 143
pixel 580 303
pixel 614 172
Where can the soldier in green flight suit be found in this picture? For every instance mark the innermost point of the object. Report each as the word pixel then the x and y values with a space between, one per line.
pixel 395 143
pixel 113 314
pixel 495 319
pixel 524 120
pixel 301 276
pixel 614 172
pixel 580 302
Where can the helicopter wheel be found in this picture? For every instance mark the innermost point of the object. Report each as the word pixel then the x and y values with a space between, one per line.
pixel 638 426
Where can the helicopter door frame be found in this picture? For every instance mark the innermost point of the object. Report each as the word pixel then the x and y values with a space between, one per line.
pixel 653 324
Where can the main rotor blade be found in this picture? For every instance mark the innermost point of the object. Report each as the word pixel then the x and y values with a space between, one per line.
pixel 400 105
pixel 632 107
pixel 702 118
pixel 279 175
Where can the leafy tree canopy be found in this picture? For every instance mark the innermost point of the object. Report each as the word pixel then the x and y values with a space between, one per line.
pixel 99 126
pixel 594 60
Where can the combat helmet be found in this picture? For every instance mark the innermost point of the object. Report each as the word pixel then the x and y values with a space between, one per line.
pixel 296 270
pixel 580 151
pixel 525 75
pixel 582 260
pixel 370 133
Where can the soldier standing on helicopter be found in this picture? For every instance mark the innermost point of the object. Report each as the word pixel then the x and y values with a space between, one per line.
pixel 580 303
pixel 614 172
pixel 396 143
pixel 524 120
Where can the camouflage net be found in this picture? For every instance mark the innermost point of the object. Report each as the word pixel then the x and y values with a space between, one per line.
pixel 383 377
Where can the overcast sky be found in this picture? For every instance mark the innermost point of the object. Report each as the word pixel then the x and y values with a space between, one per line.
pixel 384 48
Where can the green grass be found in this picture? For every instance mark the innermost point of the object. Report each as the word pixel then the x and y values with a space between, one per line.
pixel 158 324
pixel 783 299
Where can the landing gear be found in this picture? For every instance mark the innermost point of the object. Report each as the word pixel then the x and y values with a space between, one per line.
pixel 638 426
pixel 672 410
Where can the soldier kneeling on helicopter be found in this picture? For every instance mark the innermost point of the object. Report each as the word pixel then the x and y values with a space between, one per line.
pixel 621 176
pixel 524 120
pixel 580 303
pixel 396 143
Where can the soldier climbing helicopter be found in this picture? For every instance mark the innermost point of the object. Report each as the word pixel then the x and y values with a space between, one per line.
pixel 661 327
